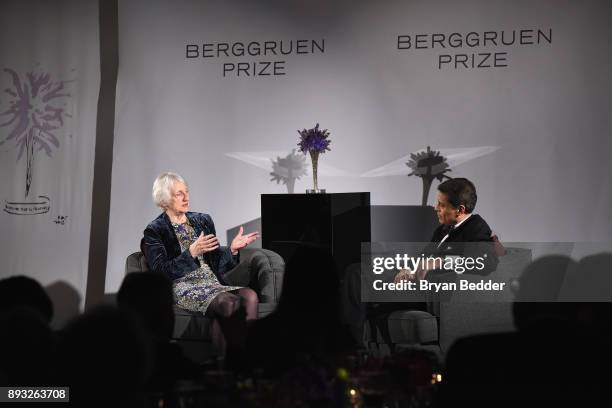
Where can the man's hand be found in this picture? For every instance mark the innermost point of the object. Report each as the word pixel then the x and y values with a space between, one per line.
pixel 241 241
pixel 204 243
pixel 404 274
pixel 437 263
pixel 421 273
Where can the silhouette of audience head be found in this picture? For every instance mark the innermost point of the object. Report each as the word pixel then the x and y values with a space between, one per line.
pixel 25 292
pixel 104 349
pixel 539 294
pixel 592 280
pixel 589 288
pixel 149 297
pixel 27 348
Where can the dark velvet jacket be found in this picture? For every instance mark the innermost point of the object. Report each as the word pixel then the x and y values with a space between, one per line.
pixel 163 251
pixel 472 238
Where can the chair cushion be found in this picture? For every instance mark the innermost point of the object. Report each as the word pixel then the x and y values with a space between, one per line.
pixel 190 325
pixel 264 309
pixel 412 327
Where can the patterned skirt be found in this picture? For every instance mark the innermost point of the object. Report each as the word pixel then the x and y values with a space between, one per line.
pixel 198 288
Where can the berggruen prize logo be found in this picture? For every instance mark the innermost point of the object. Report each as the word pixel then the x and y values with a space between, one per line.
pixel 243 59
pixel 474 49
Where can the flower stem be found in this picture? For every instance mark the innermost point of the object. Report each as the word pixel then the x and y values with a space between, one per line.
pixel 290 182
pixel 29 160
pixel 426 187
pixel 314 156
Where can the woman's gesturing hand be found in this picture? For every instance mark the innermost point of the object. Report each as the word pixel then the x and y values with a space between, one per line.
pixel 241 241
pixel 204 243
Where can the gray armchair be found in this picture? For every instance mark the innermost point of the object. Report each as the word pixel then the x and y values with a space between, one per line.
pixel 260 269
pixel 470 313
pixel 463 314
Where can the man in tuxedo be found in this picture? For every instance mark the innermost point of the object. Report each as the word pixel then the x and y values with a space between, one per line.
pixel 461 232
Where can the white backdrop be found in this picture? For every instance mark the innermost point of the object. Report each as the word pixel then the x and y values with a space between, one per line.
pixel 547 111
pixel 49 82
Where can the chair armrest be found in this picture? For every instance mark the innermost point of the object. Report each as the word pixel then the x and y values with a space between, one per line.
pixel 260 269
pixel 136 262
pixel 470 313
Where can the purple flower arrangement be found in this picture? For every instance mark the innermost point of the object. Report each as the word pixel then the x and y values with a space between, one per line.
pixel 315 142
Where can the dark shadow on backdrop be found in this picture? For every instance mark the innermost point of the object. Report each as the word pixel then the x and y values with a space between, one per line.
pixel 103 160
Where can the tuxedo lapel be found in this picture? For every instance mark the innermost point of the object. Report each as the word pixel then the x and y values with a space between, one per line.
pixel 457 233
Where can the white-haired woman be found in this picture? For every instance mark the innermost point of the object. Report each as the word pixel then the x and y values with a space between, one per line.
pixel 182 245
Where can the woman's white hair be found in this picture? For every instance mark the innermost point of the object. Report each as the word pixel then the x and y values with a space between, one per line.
pixel 162 188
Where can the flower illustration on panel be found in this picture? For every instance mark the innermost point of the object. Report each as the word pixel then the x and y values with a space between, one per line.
pixel 428 165
pixel 35 114
pixel 288 169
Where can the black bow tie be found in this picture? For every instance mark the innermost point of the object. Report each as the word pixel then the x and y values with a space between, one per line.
pixel 450 229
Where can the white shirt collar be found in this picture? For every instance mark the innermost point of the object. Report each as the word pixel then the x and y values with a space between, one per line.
pixel 454 226
pixel 462 221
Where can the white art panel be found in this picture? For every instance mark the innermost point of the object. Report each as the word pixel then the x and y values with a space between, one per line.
pixel 49 83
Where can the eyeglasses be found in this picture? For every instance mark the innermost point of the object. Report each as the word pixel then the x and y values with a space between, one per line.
pixel 181 194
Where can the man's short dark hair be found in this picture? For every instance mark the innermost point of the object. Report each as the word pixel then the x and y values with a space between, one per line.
pixel 460 191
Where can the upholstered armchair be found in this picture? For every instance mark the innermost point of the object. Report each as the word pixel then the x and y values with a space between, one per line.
pixel 464 314
pixel 260 269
